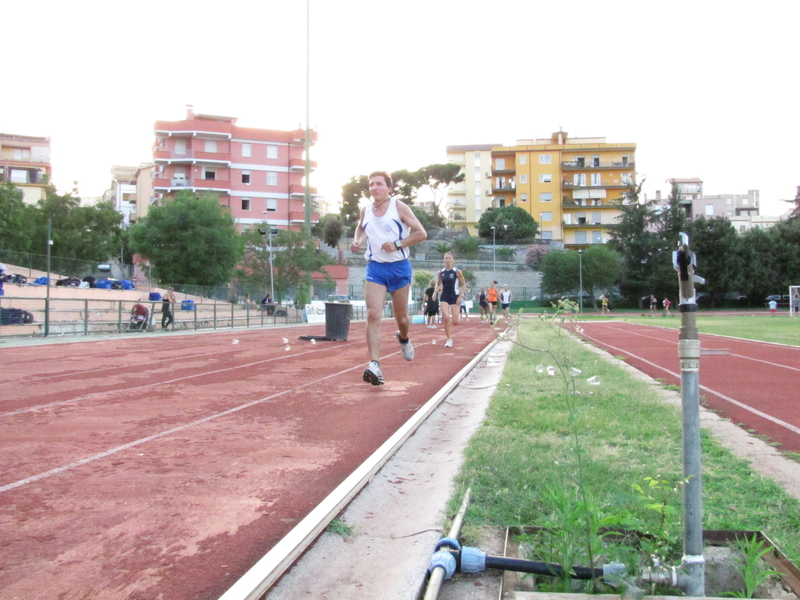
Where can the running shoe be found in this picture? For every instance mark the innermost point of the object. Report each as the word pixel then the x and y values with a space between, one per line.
pixel 407 349
pixel 373 374
pixel 448 344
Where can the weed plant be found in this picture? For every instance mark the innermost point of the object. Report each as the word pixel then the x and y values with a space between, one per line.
pixel 558 452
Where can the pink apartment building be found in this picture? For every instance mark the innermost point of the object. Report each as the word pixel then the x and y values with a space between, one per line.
pixel 252 171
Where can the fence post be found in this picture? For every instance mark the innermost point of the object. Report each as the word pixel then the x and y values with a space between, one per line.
pixel 232 307
pixel 215 313
pixel 194 309
pixel 119 317
pixel 85 317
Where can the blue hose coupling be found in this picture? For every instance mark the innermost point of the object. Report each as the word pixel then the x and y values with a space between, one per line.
pixel 447 542
pixel 473 560
pixel 445 560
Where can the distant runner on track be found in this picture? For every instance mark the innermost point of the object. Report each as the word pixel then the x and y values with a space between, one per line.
pixel 389 227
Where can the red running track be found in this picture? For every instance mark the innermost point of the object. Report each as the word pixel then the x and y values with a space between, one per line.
pixel 164 466
pixel 756 384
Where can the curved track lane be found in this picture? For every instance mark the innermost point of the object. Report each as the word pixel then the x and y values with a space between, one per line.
pixel 754 385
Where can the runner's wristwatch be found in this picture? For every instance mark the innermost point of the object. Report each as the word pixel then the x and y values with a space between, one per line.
pixel 398 244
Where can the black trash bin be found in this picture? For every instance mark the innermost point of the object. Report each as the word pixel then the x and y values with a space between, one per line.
pixel 337 321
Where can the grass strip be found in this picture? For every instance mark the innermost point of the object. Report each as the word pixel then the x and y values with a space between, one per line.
pixel 524 460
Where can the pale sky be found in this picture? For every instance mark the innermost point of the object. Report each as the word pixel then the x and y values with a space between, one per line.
pixel 704 88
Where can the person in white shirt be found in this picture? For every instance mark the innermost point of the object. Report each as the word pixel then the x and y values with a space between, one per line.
pixel 388 227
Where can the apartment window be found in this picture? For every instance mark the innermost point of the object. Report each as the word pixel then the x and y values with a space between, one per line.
pixel 209 174
pixel 597 237
pixel 523 178
pixel 545 216
pixel 626 178
pixel 545 197
pixel 709 210
pixel 180 146
pixel 545 159
pixel 728 201
pixel 596 218
pixel 246 177
pixel 567 219
pixel 272 178
pixel 745 201
pixel 272 204
pixel 22 154
pixel 477 173
pixel 547 235
pixel 19 176
pixel 272 152
pixel 595 160
pixel 580 161
pixel 477 188
pixel 545 177
pixel 523 159
pixel 211 145
pixel 580 237
pixel 245 203
pixel 247 150
pixel 523 197
pixel 624 161
pixel 579 179
pixel 477 206
pixel 596 179
pixel 500 164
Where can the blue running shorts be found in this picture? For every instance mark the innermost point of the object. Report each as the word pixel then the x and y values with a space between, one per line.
pixel 393 275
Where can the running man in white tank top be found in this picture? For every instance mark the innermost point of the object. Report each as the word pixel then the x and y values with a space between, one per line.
pixel 389 228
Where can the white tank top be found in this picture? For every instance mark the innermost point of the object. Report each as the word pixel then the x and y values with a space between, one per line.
pixel 388 228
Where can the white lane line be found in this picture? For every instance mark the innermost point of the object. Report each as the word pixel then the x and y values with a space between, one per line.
pixel 88 459
pixel 755 411
pixel 157 384
pixel 743 356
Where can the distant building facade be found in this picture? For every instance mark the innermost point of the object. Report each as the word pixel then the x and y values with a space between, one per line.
pixel 742 210
pixel 468 199
pixel 123 193
pixel 571 186
pixel 252 171
pixel 25 162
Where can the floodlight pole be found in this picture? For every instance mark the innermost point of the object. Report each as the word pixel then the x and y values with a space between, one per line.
pixel 580 277
pixel 693 562
pixel 269 237
pixel 307 169
pixel 47 299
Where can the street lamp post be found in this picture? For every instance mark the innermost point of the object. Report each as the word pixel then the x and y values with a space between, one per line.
pixel 580 277
pixel 269 237
pixel 494 263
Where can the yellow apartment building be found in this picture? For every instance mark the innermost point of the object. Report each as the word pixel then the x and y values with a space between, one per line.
pixel 571 186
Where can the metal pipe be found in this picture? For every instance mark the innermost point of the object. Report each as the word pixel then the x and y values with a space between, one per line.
pixel 689 354
pixel 439 573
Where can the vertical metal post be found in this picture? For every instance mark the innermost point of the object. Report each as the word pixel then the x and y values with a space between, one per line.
pixel 689 354
pixel 85 317
pixel 307 169
pixel 47 299
pixel 580 277
pixel 494 262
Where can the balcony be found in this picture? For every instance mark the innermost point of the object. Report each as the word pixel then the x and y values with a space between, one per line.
pixel 299 191
pixel 573 165
pixel 298 165
pixel 567 202
pixel 614 183
pixel 171 185
pixel 300 217
pixel 165 157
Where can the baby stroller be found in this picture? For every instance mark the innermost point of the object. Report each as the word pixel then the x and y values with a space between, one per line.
pixel 140 318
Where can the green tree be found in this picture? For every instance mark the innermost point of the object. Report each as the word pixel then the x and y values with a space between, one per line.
pixel 332 230
pixel 534 255
pixel 353 192
pixel 190 240
pixel 639 245
pixel 421 280
pixel 91 233
pixel 715 243
pixel 437 177
pixel 425 218
pixel 406 185
pixel 560 272
pixel 16 220
pixel 295 258
pixel 602 269
pixel 511 224
pixel 757 252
